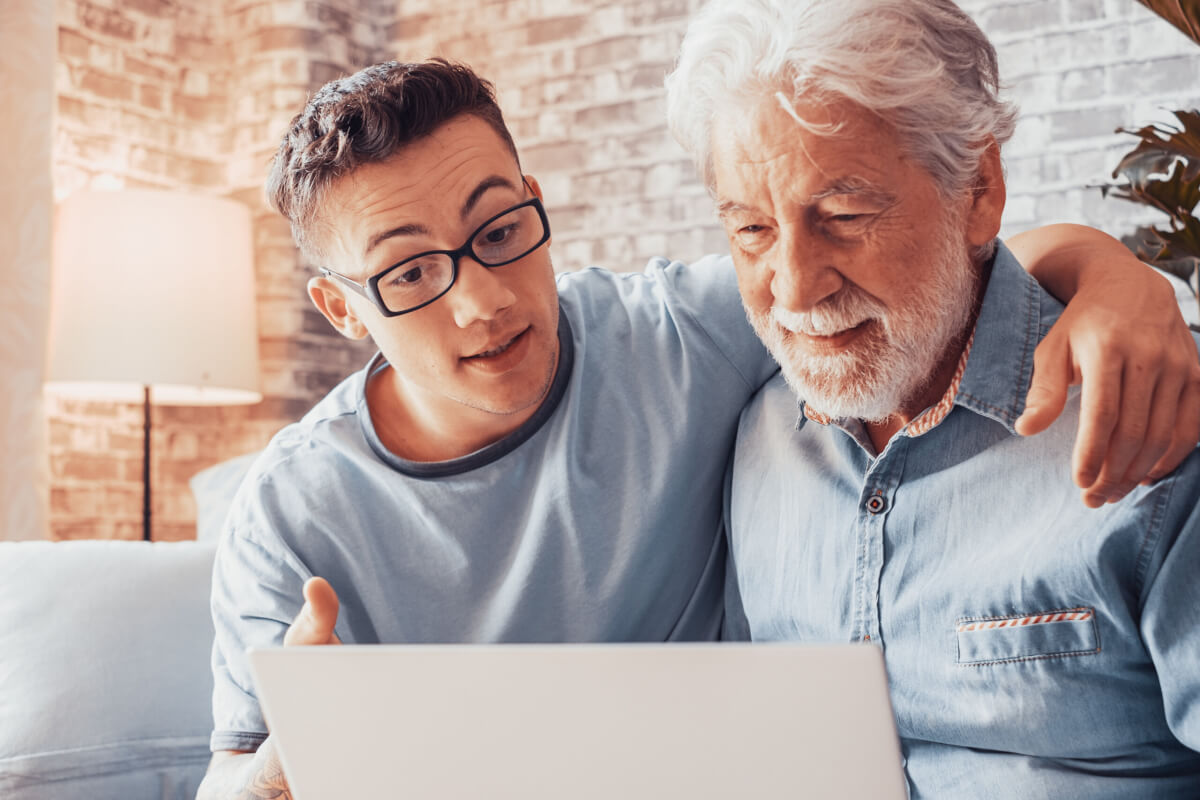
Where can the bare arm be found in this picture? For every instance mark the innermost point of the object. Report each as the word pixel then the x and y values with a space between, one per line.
pixel 1122 336
pixel 235 775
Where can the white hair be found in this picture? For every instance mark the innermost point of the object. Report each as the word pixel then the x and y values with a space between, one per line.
pixel 923 66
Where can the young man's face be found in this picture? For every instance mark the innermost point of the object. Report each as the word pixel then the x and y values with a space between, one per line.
pixel 486 348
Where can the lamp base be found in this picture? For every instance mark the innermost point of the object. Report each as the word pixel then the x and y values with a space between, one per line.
pixel 146 462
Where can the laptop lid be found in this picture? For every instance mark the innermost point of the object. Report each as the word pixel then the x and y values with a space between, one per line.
pixel 590 721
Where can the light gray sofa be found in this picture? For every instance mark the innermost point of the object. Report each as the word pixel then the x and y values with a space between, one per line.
pixel 105 686
pixel 105 683
pixel 105 650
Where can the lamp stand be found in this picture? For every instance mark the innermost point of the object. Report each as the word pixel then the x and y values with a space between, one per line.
pixel 146 462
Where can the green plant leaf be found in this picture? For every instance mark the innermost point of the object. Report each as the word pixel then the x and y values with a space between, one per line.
pixel 1161 144
pixel 1175 196
pixel 1173 251
pixel 1183 14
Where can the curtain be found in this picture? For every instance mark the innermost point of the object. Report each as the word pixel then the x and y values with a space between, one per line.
pixel 27 54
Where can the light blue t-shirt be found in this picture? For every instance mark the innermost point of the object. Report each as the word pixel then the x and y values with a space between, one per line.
pixel 597 521
pixel 1035 648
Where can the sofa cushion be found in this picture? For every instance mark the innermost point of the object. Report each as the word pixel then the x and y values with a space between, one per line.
pixel 105 684
pixel 214 489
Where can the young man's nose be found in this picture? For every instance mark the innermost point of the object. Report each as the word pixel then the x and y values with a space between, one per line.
pixel 479 293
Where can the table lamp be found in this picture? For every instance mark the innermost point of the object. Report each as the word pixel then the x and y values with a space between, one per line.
pixel 152 298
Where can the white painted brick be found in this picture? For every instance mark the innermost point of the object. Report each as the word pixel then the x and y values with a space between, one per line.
pixel 288 12
pixel 1121 9
pixel 195 82
pixel 1017 58
pixel 577 255
pixel 605 87
pixel 554 124
pixel 1153 36
pixel 662 179
pixel 607 21
pixel 652 244
pixel 1078 85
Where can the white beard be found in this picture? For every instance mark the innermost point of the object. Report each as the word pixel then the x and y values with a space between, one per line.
pixel 892 362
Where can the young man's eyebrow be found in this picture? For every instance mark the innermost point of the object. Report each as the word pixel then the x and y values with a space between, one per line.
pixel 417 229
pixel 412 229
pixel 490 182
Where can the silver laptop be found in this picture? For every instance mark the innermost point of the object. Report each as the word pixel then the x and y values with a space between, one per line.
pixel 567 722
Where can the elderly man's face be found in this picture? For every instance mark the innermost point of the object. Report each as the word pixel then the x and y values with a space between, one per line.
pixel 852 267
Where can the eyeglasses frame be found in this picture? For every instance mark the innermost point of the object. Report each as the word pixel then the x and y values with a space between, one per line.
pixel 370 289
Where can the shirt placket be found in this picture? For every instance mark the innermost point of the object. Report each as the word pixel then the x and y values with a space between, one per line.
pixel 875 503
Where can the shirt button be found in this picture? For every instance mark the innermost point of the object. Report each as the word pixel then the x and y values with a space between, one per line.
pixel 876 504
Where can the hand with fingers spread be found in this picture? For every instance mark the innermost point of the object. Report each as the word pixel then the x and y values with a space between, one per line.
pixel 1125 340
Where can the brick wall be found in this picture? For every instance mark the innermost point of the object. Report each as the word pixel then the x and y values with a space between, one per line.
pixel 581 86
pixel 192 93
pixel 1079 69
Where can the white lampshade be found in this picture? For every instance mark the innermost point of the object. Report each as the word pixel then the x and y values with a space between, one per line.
pixel 154 288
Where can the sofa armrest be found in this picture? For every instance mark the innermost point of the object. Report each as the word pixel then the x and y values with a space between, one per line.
pixel 105 682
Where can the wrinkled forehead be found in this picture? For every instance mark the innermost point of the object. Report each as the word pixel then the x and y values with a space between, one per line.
pixel 802 147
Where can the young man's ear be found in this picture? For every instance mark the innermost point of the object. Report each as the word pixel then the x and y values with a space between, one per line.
pixel 986 205
pixel 534 186
pixel 331 301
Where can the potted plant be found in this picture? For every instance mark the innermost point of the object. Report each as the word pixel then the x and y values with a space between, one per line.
pixel 1163 172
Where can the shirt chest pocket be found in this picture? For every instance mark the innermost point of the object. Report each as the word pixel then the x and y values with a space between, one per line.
pixel 1056 633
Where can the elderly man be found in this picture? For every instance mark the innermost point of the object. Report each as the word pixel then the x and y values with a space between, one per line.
pixel 1035 648
pixel 522 461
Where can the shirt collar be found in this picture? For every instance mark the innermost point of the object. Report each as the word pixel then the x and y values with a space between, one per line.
pixel 1015 315
pixel 928 419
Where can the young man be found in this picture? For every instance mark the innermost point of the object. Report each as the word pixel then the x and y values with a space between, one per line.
pixel 1035 648
pixel 523 460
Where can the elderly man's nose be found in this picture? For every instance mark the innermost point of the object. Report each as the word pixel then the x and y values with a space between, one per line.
pixel 800 287
pixel 803 275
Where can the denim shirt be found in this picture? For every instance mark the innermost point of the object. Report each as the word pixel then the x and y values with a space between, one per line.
pixel 1035 648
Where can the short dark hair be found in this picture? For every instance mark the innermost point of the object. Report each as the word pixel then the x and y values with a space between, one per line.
pixel 365 118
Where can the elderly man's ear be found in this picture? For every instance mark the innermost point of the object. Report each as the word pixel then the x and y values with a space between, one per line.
pixel 331 301
pixel 986 203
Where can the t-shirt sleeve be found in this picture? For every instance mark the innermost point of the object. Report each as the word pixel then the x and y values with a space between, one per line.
pixel 256 593
pixel 706 292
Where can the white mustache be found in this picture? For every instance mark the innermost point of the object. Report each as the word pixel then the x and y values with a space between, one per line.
pixel 824 322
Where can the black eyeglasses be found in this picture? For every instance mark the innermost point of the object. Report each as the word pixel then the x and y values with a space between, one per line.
pixel 418 280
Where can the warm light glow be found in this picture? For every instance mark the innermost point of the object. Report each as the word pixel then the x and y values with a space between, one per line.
pixel 154 288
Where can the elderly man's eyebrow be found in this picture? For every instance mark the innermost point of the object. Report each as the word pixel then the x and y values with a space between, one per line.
pixel 839 188
pixel 417 229
pixel 854 186
pixel 727 207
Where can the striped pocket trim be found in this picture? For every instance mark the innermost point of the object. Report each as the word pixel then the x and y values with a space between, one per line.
pixel 1023 620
